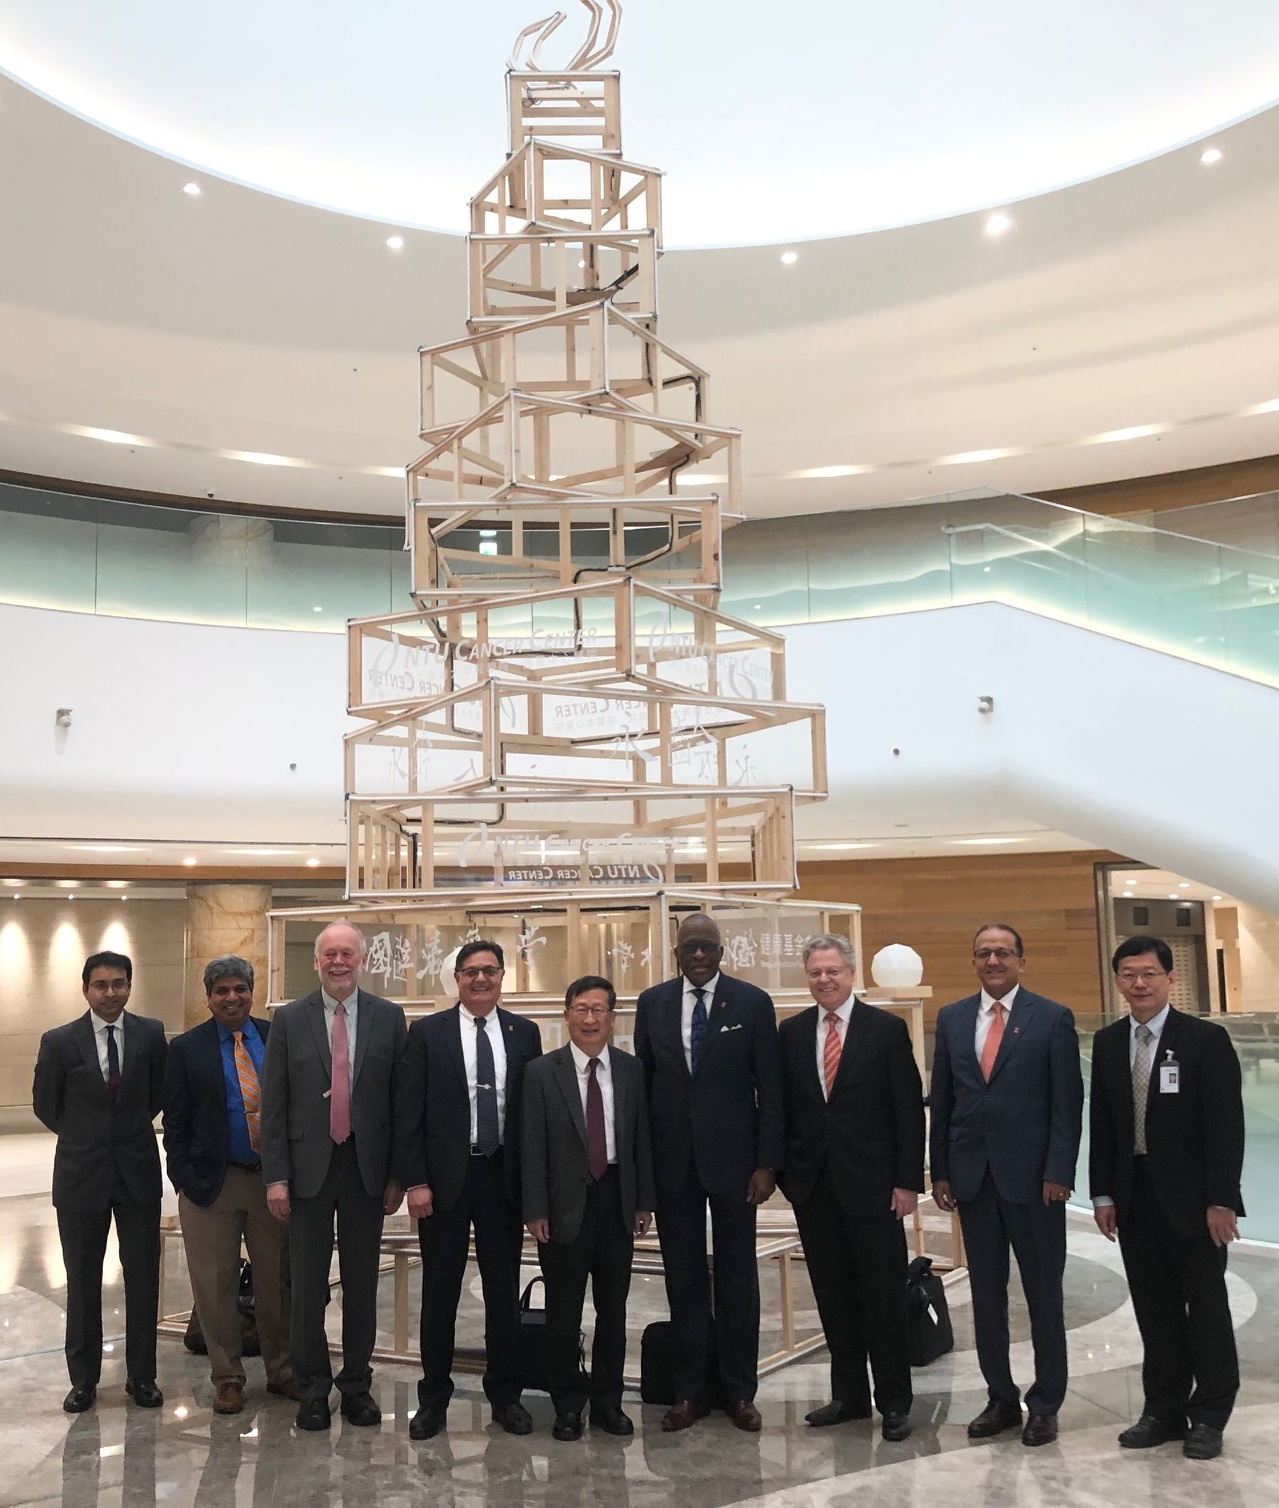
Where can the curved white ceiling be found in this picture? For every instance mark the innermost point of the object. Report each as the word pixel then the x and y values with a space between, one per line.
pixel 773 122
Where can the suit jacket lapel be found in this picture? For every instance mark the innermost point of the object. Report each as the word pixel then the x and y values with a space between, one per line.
pixel 211 1048
pixel 453 1043
pixel 674 1007
pixel 319 1030
pixel 621 1097
pixel 87 1041
pixel 364 1029
pixel 857 1023
pixel 718 1017
pixel 966 1047
pixel 566 1078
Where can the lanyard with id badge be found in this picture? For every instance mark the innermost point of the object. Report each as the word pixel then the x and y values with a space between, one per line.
pixel 1169 1074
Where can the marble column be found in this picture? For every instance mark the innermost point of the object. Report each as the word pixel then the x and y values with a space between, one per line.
pixel 224 919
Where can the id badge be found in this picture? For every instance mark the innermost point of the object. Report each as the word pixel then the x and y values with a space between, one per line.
pixel 1169 1078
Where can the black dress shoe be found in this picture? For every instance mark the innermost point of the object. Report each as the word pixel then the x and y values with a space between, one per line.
pixel 994 1419
pixel 514 1418
pixel 313 1414
pixel 427 1423
pixel 896 1427
pixel 79 1399
pixel 145 1394
pixel 567 1427
pixel 1203 1443
pixel 836 1412
pixel 611 1420
pixel 1150 1431
pixel 360 1408
pixel 1041 1429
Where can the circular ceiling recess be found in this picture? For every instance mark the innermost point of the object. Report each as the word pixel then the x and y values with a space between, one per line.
pixel 773 121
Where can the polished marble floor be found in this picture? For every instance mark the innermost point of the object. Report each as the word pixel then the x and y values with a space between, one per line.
pixel 185 1455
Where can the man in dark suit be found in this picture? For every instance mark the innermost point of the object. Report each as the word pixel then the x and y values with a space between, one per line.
pixel 458 1123
pixel 1007 1111
pixel 98 1085
pixel 1165 1161
pixel 708 1044
pixel 328 1087
pixel 213 1140
pixel 854 1170
pixel 588 1192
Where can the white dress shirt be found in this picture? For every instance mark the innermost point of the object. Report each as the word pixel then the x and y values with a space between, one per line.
pixel 1156 1026
pixel 100 1039
pixel 330 1010
pixel 604 1075
pixel 686 1018
pixel 493 1030
pixel 842 1013
pixel 986 1015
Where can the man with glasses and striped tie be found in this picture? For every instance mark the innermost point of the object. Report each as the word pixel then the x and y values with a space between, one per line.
pixel 213 1142
pixel 1007 1100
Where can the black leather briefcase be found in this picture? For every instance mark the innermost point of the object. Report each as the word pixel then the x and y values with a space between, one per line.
pixel 928 1317
pixel 533 1341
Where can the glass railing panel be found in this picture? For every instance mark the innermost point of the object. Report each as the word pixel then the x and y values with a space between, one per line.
pixel 161 563
pixel 1250 611
pixel 316 576
pixel 894 560
pixel 48 550
pixel 766 571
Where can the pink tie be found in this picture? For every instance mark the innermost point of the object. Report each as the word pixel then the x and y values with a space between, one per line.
pixel 990 1049
pixel 340 1090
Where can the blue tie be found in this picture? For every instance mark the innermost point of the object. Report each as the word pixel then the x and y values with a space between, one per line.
pixel 487 1135
pixel 697 1034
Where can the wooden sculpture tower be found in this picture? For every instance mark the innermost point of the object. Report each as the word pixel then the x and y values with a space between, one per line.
pixel 564 744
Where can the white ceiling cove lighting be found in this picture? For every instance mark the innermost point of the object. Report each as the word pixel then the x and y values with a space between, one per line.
pixel 850 117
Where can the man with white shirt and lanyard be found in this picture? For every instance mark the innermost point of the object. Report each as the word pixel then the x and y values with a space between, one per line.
pixel 588 1192
pixel 458 1128
pixel 1007 1110
pixel 99 1084
pixel 1165 1161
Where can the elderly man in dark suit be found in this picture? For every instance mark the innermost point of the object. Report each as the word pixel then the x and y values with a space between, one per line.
pixel 1007 1110
pixel 854 1170
pixel 708 1044
pixel 588 1192
pixel 213 1140
pixel 458 1123
pixel 1165 1162
pixel 98 1085
pixel 328 1087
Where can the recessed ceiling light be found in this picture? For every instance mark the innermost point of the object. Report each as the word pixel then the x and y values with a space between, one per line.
pixel 317 609
pixel 68 884
pixel 1174 896
pixel 998 223
pixel 1133 432
pixel 116 884
pixel 1185 885
pixel 190 861
pixel 488 533
pixel 789 258
pixel 396 243
pixel 1210 155
pixel 756 606
pixel 191 189
pixel 1128 892
pixel 1218 897
pixel 313 863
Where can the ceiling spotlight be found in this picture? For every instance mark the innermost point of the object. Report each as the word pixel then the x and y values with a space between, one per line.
pixel 313 863
pixel 1210 155
pixel 1218 897
pixel 189 862
pixel 1128 893
pixel 396 243
pixel 789 258
pixel 1174 896
pixel 998 223
pixel 191 189
pixel 1185 884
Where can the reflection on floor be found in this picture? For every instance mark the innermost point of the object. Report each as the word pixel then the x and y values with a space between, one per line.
pixel 185 1455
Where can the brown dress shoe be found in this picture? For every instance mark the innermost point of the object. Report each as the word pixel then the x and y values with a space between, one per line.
pixel 286 1389
pixel 687 1411
pixel 744 1415
pixel 230 1398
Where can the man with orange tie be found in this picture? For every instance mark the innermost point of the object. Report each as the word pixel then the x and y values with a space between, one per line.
pixel 854 1170
pixel 213 1142
pixel 1007 1108
pixel 328 1085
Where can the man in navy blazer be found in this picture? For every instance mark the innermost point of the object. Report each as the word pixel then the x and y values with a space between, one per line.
pixel 213 1141
pixel 1007 1108
pixel 708 1044
pixel 457 1122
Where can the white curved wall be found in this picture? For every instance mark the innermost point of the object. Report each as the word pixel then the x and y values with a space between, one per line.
pixel 185 731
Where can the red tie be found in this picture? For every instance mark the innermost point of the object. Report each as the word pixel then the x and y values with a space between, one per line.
pixel 340 1089
pixel 831 1050
pixel 990 1051
pixel 596 1136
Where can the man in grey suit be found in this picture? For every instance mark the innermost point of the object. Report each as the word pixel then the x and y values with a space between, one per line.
pixel 98 1086
pixel 588 1192
pixel 328 1084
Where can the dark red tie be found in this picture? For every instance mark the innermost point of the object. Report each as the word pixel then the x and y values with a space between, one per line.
pixel 596 1137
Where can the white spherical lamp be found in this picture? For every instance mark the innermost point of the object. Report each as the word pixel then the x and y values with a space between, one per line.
pixel 896 967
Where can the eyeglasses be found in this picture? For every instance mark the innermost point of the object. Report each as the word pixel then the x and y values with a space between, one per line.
pixel 816 974
pixel 484 971
pixel 590 1010
pixel 984 955
pixel 109 986
pixel 1146 976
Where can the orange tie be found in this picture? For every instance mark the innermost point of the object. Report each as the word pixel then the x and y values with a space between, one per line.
pixel 830 1051
pixel 993 1038
pixel 250 1091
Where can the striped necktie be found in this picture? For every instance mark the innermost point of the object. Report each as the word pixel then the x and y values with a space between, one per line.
pixel 831 1050
pixel 250 1091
